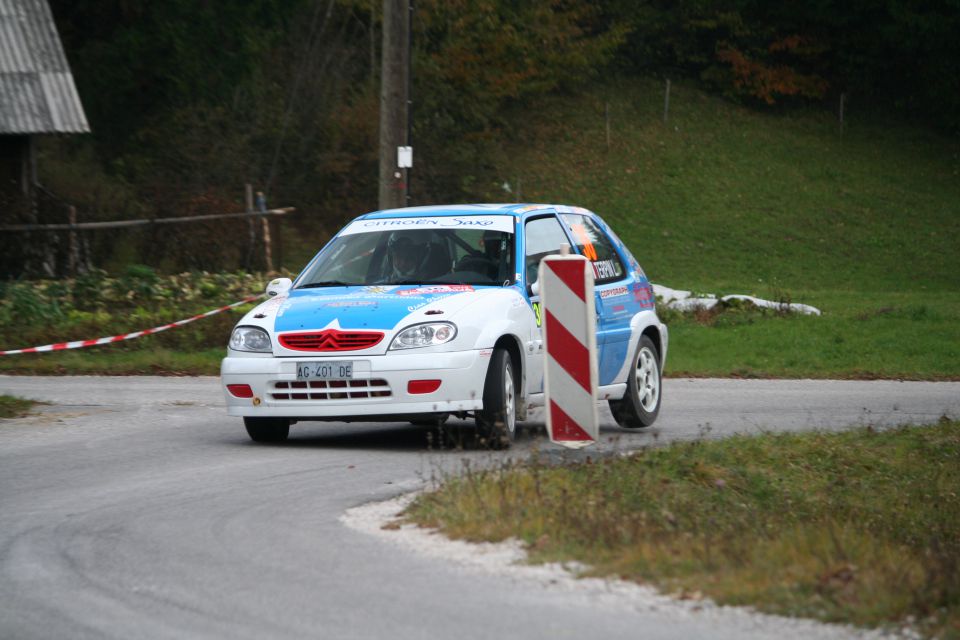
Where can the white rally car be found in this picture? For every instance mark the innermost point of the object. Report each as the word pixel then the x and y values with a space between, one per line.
pixel 419 313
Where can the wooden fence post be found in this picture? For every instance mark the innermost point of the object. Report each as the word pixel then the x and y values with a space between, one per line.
pixel 251 230
pixel 843 99
pixel 606 119
pixel 280 242
pixel 72 245
pixel 265 228
pixel 666 103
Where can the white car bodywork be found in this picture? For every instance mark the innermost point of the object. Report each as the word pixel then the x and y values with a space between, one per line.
pixel 460 365
pixel 384 381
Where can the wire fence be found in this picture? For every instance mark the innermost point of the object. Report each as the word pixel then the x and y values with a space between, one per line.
pixel 38 244
pixel 119 224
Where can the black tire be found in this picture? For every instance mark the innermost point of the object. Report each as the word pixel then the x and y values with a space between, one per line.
pixel 641 403
pixel 267 429
pixel 497 421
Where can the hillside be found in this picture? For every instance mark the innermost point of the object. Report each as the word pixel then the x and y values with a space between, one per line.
pixel 725 197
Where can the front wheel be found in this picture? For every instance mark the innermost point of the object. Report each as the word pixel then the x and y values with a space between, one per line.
pixel 497 421
pixel 641 403
pixel 267 429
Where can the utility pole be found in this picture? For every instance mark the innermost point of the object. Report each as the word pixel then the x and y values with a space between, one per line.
pixel 396 156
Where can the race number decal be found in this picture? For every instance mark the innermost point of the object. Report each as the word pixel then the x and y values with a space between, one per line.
pixel 536 312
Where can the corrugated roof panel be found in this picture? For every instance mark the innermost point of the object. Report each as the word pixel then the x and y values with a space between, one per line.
pixel 13 45
pixel 62 101
pixel 52 98
pixel 44 39
pixel 24 107
pixel 37 92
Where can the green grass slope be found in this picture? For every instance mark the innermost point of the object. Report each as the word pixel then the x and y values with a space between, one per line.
pixel 725 199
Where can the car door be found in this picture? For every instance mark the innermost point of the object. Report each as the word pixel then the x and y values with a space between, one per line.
pixel 615 303
pixel 542 236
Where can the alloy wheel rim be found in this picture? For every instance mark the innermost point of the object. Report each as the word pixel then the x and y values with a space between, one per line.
pixel 648 380
pixel 509 402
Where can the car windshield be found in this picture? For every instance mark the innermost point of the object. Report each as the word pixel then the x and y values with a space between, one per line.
pixel 435 254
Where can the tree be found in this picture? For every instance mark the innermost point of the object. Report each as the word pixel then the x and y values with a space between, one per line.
pixel 474 58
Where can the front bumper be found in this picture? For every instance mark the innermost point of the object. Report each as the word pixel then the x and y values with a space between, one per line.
pixel 378 386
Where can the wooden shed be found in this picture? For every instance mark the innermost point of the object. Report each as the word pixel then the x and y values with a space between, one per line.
pixel 37 93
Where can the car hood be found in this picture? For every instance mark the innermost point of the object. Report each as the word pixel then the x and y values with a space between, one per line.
pixel 372 307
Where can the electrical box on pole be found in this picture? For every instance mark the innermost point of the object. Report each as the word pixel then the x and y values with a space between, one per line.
pixel 405 157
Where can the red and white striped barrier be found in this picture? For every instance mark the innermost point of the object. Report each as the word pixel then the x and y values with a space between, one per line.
pixel 79 344
pixel 570 364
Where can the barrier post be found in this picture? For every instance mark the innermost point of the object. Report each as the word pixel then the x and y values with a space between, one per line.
pixel 570 357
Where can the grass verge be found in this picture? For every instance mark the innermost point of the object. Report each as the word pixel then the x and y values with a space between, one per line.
pixel 857 527
pixel 115 361
pixel 894 335
pixel 13 407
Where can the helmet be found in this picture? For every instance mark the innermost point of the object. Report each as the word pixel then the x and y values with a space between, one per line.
pixel 492 244
pixel 406 251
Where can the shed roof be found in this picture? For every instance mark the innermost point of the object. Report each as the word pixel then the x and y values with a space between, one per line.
pixel 37 93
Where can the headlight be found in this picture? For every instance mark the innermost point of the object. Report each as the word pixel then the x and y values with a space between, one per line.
pixel 250 339
pixel 424 335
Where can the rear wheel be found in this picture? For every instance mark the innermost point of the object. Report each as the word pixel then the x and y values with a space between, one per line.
pixel 497 422
pixel 641 403
pixel 267 429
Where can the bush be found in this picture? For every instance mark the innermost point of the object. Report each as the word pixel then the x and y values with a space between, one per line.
pixel 26 305
pixel 95 305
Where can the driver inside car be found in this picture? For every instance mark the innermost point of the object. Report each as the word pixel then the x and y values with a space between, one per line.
pixel 492 241
pixel 406 251
pixel 487 262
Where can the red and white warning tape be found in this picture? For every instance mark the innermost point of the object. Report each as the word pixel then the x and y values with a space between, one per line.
pixel 79 344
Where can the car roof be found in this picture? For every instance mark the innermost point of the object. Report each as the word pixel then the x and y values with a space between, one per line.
pixel 516 209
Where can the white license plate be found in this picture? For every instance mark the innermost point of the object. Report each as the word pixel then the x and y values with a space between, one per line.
pixel 336 370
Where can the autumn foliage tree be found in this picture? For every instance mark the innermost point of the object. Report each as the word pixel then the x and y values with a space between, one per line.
pixel 898 56
pixel 476 58
pixel 769 73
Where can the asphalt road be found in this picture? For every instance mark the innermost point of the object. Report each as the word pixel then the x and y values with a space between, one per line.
pixel 135 508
